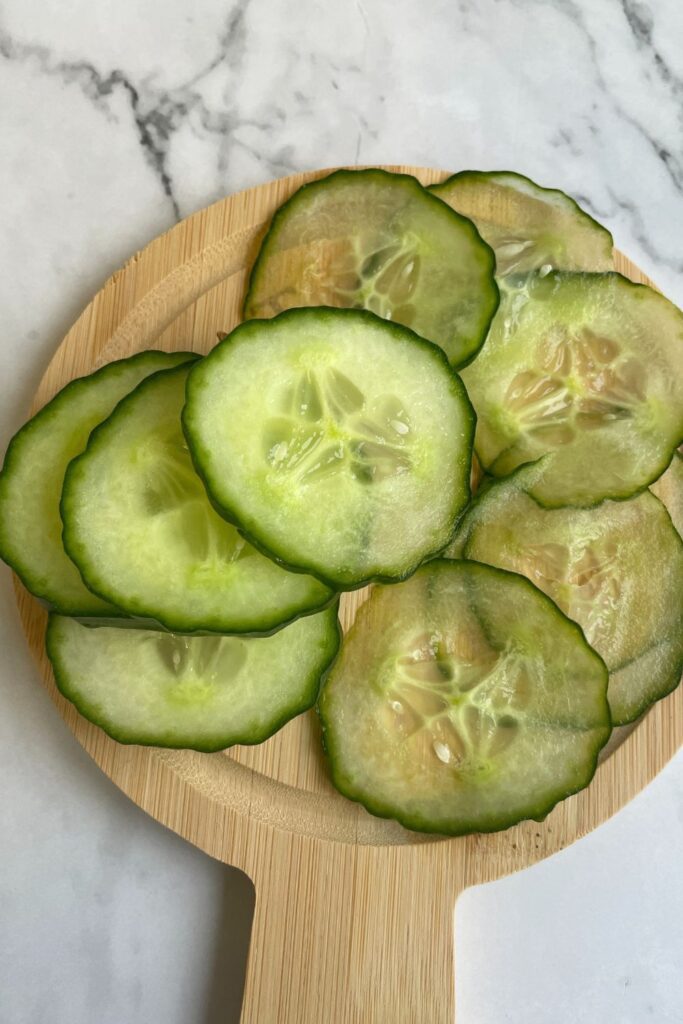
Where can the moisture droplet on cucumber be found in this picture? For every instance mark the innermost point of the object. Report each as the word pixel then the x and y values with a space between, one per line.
pixel 378 241
pixel 140 527
pixel 527 226
pixel 463 701
pixel 585 367
pixel 33 474
pixel 617 570
pixel 202 692
pixel 339 443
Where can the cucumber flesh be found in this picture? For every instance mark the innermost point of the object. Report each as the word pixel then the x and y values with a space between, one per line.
pixel 669 490
pixel 200 692
pixel 527 226
pixel 463 701
pixel 33 474
pixel 616 569
pixel 140 527
pixel 585 367
pixel 378 241
pixel 315 432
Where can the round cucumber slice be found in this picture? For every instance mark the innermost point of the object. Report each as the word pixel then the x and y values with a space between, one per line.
pixel 200 692
pixel 669 490
pixel 378 241
pixel 527 226
pixel 32 477
pixel 139 525
pixel 316 433
pixel 585 367
pixel 463 701
pixel 616 569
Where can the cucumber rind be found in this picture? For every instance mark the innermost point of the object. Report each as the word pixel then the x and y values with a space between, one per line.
pixel 225 740
pixel 458 827
pixel 15 560
pixel 143 622
pixel 229 510
pixel 553 193
pixel 258 626
pixel 455 829
pixel 376 173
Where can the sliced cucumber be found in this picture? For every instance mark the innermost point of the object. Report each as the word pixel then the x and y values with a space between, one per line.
pixel 138 524
pixel 617 570
pixel 669 490
pixel 527 226
pixel 33 474
pixel 201 692
pixel 378 241
pixel 463 701
pixel 316 433
pixel 586 367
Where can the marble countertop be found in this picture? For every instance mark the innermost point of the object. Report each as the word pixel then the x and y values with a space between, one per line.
pixel 117 119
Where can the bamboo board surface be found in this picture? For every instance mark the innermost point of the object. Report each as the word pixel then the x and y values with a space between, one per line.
pixel 353 921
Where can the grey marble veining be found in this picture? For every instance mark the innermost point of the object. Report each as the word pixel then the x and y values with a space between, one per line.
pixel 586 96
pixel 118 118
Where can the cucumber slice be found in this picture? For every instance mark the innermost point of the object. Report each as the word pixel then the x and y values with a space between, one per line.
pixel 138 524
pixel 669 490
pixel 202 692
pixel 32 477
pixel 586 367
pixel 617 570
pixel 315 432
pixel 463 701
pixel 378 241
pixel 527 226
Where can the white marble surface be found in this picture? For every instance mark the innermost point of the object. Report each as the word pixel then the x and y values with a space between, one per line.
pixel 115 119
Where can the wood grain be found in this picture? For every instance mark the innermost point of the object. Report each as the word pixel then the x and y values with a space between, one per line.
pixel 353 918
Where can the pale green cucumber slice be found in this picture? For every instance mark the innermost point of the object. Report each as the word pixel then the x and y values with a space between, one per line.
pixel 527 226
pixel 140 527
pixel 586 367
pixel 616 569
pixel 378 241
pixel 32 477
pixel 338 442
pixel 201 692
pixel 669 490
pixel 463 701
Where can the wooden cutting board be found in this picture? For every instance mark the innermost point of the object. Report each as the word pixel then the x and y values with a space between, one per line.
pixel 354 915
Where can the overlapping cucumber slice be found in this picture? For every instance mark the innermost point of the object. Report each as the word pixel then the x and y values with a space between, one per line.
pixel 378 241
pixel 338 442
pixel 201 692
pixel 463 700
pixel 669 490
pixel 140 527
pixel 585 367
pixel 527 226
pixel 33 474
pixel 617 570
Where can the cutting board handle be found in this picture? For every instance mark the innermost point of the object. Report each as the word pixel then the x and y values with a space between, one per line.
pixel 351 935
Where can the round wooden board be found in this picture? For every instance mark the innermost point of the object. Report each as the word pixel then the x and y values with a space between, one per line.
pixel 353 918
